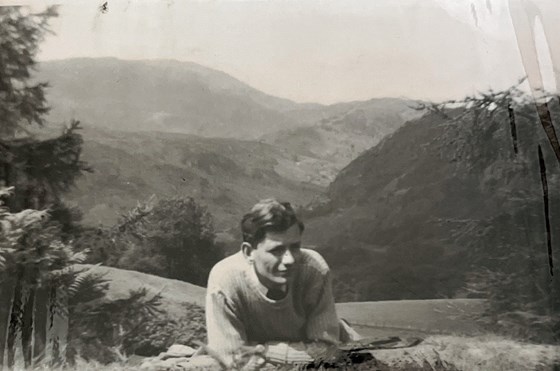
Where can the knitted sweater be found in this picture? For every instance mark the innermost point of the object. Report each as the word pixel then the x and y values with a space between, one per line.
pixel 239 313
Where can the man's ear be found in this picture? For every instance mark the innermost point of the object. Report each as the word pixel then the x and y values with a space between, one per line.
pixel 247 251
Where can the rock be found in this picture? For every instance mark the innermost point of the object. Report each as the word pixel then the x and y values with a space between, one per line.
pixel 135 360
pixel 199 363
pixel 155 364
pixel 177 357
pixel 148 364
pixel 177 350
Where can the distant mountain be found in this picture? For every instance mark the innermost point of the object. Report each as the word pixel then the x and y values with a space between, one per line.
pixel 412 215
pixel 344 132
pixel 161 95
pixel 183 97
pixel 227 175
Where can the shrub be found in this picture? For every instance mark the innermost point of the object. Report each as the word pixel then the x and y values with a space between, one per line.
pixel 99 327
pixel 105 331
pixel 172 238
pixel 160 333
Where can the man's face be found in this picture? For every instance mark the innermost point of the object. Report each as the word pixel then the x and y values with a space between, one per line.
pixel 276 256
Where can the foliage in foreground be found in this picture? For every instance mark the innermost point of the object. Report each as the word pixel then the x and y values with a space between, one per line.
pixel 436 353
pixel 35 255
pixel 35 278
pixel 105 331
pixel 160 333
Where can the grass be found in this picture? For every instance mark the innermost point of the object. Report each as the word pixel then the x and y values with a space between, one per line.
pixel 480 353
pixel 436 353
pixel 174 293
pixel 449 342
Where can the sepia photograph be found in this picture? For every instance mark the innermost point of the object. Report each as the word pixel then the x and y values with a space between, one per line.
pixel 280 185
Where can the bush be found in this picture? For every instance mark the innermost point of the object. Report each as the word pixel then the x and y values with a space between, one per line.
pixel 172 238
pixel 99 328
pixel 523 297
pixel 106 331
pixel 522 304
pixel 160 333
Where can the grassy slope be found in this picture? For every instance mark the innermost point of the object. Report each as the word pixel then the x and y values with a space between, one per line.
pixel 450 350
pixel 445 316
pixel 174 293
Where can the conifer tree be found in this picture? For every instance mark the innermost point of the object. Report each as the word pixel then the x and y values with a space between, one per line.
pixel 39 172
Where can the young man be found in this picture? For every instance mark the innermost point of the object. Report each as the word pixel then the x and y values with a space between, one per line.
pixel 272 290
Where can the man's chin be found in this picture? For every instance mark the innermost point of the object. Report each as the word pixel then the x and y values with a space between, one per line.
pixel 280 280
pixel 283 279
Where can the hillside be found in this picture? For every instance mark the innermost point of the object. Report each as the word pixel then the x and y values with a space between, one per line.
pixel 227 175
pixel 346 130
pixel 425 316
pixel 170 96
pixel 183 97
pixel 411 217
pixel 442 324
pixel 174 293
pixel 160 95
pixel 451 341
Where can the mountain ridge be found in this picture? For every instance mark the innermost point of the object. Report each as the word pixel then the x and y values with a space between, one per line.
pixel 159 95
pixel 172 96
pixel 169 96
pixel 434 201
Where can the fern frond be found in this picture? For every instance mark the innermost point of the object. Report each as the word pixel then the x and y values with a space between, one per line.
pixel 79 257
pixel 6 192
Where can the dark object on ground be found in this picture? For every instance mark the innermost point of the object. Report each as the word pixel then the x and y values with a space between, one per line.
pixel 357 352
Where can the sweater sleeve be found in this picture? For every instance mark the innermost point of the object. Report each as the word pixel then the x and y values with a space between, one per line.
pixel 226 333
pixel 322 322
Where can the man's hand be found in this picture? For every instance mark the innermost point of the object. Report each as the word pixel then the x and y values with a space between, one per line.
pixel 287 353
pixel 247 358
pixel 250 358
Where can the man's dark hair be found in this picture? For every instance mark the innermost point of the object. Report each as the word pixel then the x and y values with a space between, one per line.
pixel 268 215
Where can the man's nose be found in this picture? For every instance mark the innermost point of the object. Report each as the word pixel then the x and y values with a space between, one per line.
pixel 288 258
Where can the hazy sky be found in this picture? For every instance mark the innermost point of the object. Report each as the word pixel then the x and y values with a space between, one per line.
pixel 320 51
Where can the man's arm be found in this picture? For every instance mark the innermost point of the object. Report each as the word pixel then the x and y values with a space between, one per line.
pixel 226 333
pixel 322 323
pixel 227 338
